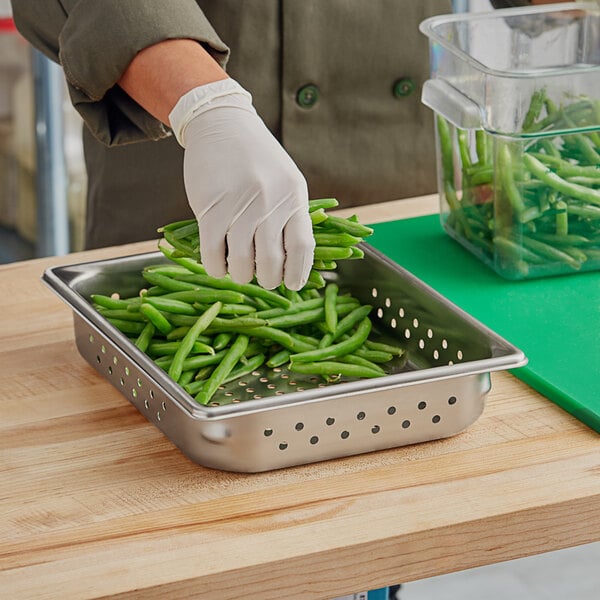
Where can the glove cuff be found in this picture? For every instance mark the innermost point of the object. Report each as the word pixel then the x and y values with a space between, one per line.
pixel 199 100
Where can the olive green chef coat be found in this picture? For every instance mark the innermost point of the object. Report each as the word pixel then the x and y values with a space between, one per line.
pixel 337 81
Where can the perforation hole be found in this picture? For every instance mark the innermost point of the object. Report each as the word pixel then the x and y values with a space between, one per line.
pixel 91 339
pixel 452 400
pixel 268 432
pixel 127 371
pixel 283 446
pixel 330 421
pixel 375 429
pixel 391 410
pixel 405 424
pixel 103 349
pixel 361 415
pixel 98 359
pixel 115 360
pixel 314 440
pixel 299 426
pixel 459 355
pixel 436 354
pixel 401 312
pixel 422 405
pixel 110 370
pixel 407 333
pixel 388 302
pixel 421 343
pixel 146 404
pixel 445 344
pixel 393 323
pixel 430 333
pixel 380 313
pixel 163 405
pixel 436 419
pixel 374 292
pixel 345 435
pixel 415 322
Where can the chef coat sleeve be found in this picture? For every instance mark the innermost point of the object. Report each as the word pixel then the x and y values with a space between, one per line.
pixel 95 41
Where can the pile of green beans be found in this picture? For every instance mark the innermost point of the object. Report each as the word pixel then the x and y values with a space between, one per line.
pixel 336 238
pixel 206 332
pixel 530 205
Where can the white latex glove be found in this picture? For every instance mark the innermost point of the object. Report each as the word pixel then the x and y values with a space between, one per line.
pixel 249 197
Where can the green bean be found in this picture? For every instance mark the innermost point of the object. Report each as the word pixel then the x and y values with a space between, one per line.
pixel 143 340
pixel 176 367
pixel 318 216
pixel 574 190
pixel 376 356
pixel 330 306
pixel 248 289
pixel 535 107
pixel 356 229
pixel 562 218
pixel 332 253
pixel 156 318
pixel 120 314
pixel 189 263
pixel 222 370
pixel 341 239
pixel 363 362
pixel 236 310
pixel 508 183
pixel 241 370
pixel 175 225
pixel 222 340
pixel 382 347
pixel 281 337
pixel 334 369
pixel 133 327
pixel 207 296
pixel 550 252
pixel 325 265
pixel 279 358
pixel 515 251
pixel 322 203
pixel 348 346
pixel 177 333
pixel 315 279
pixel 192 362
pixel 171 305
pixel 168 283
pixel 109 302
pixel 351 319
pixel 186 377
pixel 159 348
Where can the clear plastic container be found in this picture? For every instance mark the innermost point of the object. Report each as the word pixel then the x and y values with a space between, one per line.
pixel 516 97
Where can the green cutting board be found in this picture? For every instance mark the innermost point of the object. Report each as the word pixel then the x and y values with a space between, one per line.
pixel 555 321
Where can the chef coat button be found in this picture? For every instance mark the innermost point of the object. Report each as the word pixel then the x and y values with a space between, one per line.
pixel 307 95
pixel 404 87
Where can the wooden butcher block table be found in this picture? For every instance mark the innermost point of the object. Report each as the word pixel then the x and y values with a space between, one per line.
pixel 96 502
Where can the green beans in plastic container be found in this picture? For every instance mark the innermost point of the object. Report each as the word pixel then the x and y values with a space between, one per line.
pixel 516 101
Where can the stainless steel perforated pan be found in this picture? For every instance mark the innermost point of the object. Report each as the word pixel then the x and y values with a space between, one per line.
pixel 275 418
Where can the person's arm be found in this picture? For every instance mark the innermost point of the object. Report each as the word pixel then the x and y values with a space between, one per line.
pixel 95 42
pixel 161 74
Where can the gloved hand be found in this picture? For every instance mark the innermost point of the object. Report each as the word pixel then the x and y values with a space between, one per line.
pixel 249 197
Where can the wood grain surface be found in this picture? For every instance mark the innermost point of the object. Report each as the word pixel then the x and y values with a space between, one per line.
pixel 95 502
